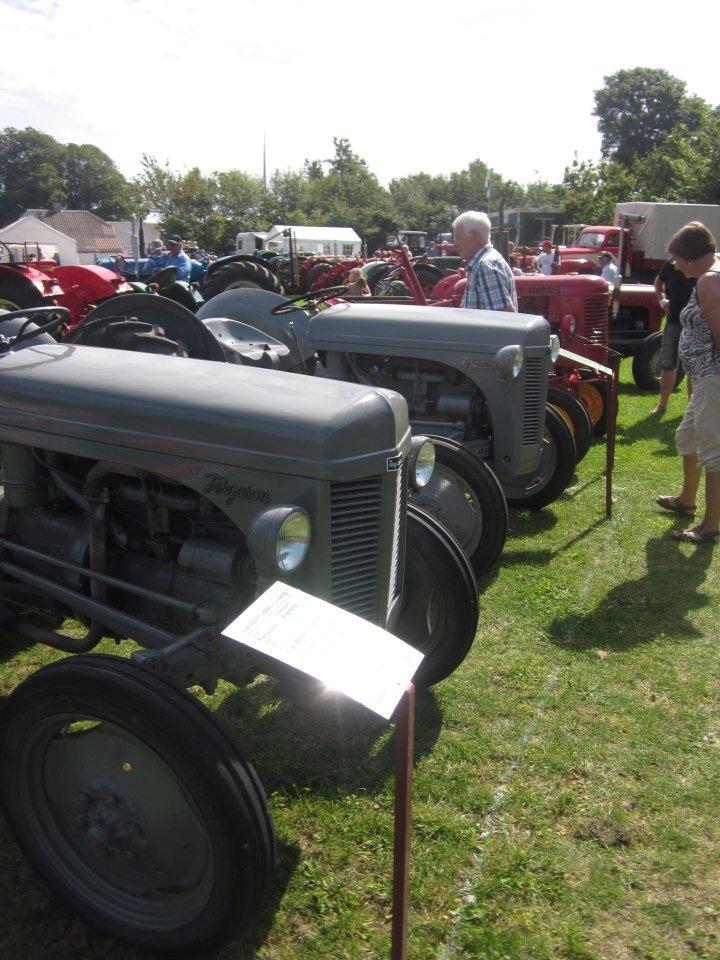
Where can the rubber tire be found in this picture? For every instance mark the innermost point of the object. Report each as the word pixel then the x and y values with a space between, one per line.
pixel 488 495
pixel 223 787
pixel 428 276
pixel 314 272
pixel 577 411
pixel 600 428
pixel 20 291
pixel 430 545
pixel 557 433
pixel 644 360
pixel 240 272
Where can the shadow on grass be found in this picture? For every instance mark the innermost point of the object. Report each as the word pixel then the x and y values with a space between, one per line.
pixel 517 557
pixel 327 748
pixel 638 611
pixel 652 427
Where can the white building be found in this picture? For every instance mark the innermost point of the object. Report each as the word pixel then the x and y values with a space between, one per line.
pixel 322 241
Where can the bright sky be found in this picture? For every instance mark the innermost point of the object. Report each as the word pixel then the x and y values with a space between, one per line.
pixel 413 86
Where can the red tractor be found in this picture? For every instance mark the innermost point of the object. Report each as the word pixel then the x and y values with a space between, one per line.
pixel 28 279
pixel 576 307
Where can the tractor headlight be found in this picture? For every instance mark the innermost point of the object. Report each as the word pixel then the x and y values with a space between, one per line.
pixel 554 347
pixel 509 361
pixel 279 538
pixel 421 462
pixel 568 325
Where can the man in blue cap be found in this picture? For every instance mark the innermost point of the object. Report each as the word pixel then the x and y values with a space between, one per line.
pixel 176 257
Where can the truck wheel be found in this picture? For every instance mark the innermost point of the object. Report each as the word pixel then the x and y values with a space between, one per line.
pixel 466 497
pixel 16 293
pixel 546 482
pixel 440 611
pixel 575 410
pixel 646 368
pixel 133 806
pixel 240 273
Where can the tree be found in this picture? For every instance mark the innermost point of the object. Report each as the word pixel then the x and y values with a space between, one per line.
pixel 31 171
pixel 590 191
pixel 93 182
pixel 637 108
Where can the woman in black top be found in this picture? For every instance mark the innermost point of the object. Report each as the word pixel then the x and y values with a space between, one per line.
pixel 673 291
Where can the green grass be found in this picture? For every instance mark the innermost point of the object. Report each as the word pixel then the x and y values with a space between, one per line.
pixel 567 777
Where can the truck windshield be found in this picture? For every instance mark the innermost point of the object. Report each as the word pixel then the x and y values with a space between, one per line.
pixel 591 239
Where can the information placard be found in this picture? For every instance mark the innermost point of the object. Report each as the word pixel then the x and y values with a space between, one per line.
pixel 345 652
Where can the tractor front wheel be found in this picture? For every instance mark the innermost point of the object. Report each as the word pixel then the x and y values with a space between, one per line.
pixel 555 468
pixel 466 497
pixel 133 806
pixel 578 416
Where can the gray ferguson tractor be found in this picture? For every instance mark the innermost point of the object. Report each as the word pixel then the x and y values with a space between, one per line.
pixel 476 381
pixel 154 499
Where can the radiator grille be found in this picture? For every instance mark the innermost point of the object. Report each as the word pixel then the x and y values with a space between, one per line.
pixel 596 320
pixel 355 544
pixel 532 419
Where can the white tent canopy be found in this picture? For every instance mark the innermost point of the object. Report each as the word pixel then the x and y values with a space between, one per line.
pixel 30 229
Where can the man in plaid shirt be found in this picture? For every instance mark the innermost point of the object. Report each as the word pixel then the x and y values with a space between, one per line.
pixel 490 281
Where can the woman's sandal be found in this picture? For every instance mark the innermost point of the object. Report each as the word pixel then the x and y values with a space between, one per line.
pixel 696 535
pixel 674 506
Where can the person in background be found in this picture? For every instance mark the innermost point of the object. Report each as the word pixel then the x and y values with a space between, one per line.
pixel 544 261
pixel 490 280
pixel 176 257
pixel 357 285
pixel 155 249
pixel 608 270
pixel 697 439
pixel 673 290
pixel 513 261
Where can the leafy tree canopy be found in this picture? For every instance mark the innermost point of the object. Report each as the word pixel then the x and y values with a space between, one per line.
pixel 637 108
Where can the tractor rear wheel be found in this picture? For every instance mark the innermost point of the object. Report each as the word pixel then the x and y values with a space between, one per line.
pixel 16 292
pixel 548 480
pixel 428 276
pixel 133 806
pixel 240 273
pixel 466 497
pixel 646 368
pixel 578 415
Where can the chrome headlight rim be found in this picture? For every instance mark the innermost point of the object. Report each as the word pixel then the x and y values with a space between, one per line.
pixel 421 462
pixel 554 347
pixel 509 361
pixel 279 539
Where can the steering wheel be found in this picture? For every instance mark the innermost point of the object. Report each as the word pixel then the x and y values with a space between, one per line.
pixel 163 277
pixel 60 316
pixel 314 296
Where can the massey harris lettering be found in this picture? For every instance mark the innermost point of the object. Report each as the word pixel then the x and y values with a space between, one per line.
pixel 222 487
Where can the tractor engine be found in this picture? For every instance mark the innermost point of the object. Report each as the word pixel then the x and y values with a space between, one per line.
pixel 440 399
pixel 187 559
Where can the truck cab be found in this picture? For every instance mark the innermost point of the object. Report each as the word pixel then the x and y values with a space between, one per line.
pixel 584 255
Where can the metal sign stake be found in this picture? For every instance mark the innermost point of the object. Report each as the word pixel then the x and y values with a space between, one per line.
pixel 612 382
pixel 404 742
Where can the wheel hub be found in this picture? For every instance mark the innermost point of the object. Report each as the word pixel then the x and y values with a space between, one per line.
pixel 110 823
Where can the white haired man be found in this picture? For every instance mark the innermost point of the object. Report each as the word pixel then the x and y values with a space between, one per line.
pixel 490 282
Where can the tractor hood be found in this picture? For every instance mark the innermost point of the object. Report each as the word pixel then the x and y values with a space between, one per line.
pixel 68 397
pixel 399 328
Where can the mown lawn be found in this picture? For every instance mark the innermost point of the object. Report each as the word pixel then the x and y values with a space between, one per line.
pixel 567 778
